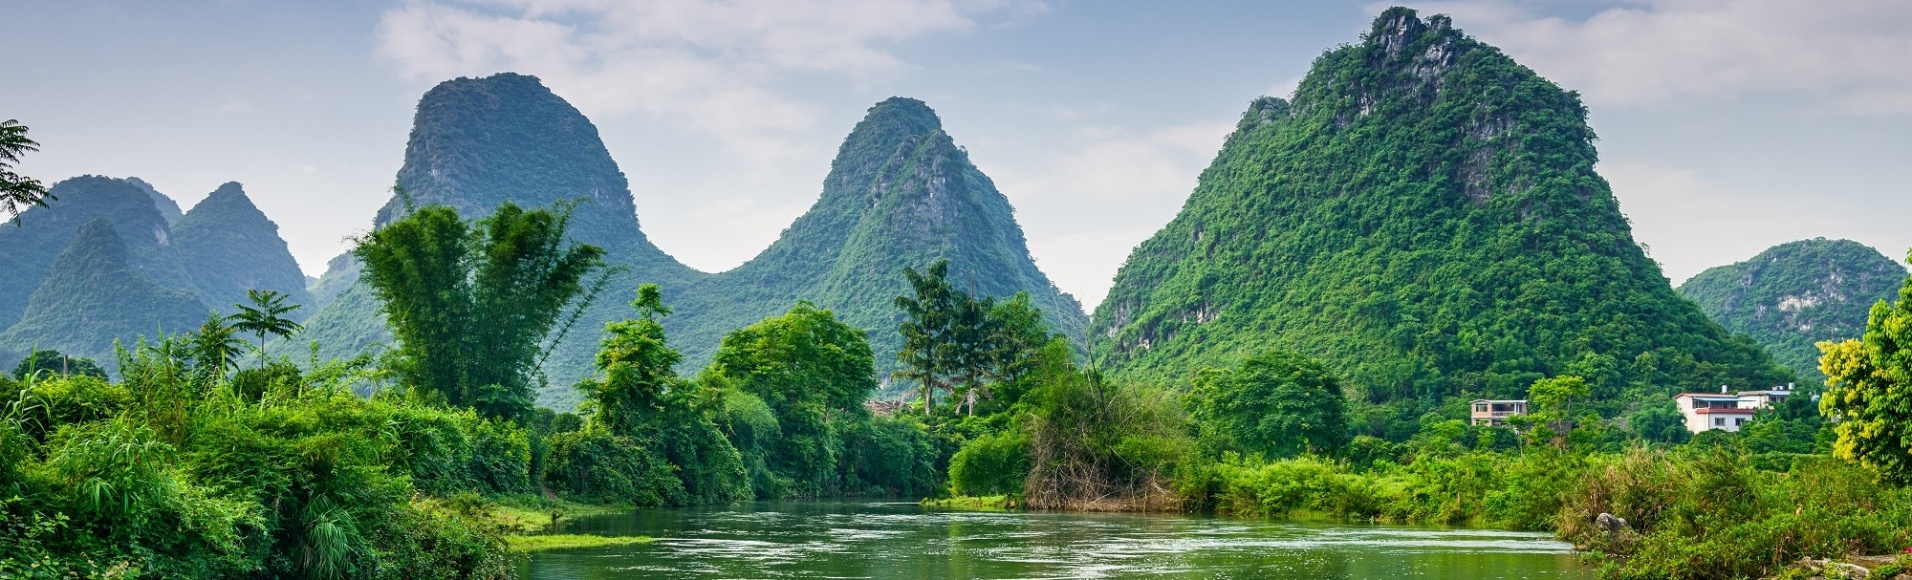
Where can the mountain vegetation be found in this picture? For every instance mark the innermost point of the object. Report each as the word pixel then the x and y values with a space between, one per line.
pixel 93 298
pixel 900 193
pixel 1794 295
pixel 43 233
pixel 1424 218
pixel 233 248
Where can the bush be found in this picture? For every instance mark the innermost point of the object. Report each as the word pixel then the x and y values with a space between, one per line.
pixel 594 465
pixel 994 464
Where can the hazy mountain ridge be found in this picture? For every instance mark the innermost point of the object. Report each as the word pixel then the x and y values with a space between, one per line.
pixel 1424 216
pixel 93 296
pixel 900 193
pixel 232 247
pixel 1793 295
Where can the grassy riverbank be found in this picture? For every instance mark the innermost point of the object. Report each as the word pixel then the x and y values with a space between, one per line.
pixel 547 542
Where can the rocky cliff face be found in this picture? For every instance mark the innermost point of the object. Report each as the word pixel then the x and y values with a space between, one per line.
pixel 900 194
pixel 1424 217
pixel 1793 295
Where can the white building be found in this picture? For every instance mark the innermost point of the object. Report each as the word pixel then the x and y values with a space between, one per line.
pixel 1726 411
pixel 1496 412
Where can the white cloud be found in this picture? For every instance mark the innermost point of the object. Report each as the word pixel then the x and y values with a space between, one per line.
pixel 1851 53
pixel 712 65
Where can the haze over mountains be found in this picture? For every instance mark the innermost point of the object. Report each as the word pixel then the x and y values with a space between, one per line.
pixel 1423 216
pixel 900 194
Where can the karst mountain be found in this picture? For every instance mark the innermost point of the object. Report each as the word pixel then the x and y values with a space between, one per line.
pixel 1424 216
pixel 1794 295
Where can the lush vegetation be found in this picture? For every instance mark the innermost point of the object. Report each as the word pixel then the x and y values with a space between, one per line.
pixel 1423 218
pixel 1794 295
pixel 94 296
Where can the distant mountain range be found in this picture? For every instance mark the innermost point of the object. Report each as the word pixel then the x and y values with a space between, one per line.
pixel 1423 216
pixel 901 193
pixel 107 262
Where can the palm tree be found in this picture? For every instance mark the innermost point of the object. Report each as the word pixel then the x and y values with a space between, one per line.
pixel 215 344
pixel 17 192
pixel 263 317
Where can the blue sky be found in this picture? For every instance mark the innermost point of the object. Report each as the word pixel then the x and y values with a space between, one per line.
pixel 1726 126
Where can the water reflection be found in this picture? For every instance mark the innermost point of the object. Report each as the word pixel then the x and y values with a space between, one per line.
pixel 903 540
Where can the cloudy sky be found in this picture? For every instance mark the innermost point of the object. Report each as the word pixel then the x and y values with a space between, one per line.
pixel 1726 126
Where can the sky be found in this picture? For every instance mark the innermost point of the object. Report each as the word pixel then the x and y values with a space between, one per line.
pixel 1726 126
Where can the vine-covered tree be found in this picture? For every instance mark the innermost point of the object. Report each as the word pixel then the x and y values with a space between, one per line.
pixel 472 303
pixel 17 192
pixel 1869 391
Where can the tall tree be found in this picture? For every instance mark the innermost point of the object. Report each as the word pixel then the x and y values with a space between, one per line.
pixel 17 192
pixel 1869 391
pixel 472 303
pixel 927 330
pixel 265 315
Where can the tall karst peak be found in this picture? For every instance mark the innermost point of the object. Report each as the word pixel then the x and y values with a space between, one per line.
pixel 232 247
pixel 1424 217
pixel 166 206
pixel 93 295
pixel 900 193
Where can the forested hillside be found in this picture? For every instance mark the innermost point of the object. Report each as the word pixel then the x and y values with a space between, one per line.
pixel 229 247
pixel 93 295
pixel 900 194
pixel 476 143
pixel 1793 295
pixel 44 232
pixel 1425 218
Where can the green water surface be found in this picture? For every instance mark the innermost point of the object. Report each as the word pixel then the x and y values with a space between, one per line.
pixel 904 540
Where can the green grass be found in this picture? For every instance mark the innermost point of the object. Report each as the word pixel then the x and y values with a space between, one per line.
pixel 983 503
pixel 546 542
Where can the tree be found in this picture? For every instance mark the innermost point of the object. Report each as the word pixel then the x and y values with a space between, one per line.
pixel 43 361
pixel 639 396
pixel 813 371
pixel 472 303
pixel 927 330
pixel 215 347
pixel 265 316
pixel 1869 390
pixel 1277 403
pixel 18 192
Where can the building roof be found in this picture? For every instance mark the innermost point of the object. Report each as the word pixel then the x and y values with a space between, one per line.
pixel 1724 411
pixel 1714 396
pixel 1498 401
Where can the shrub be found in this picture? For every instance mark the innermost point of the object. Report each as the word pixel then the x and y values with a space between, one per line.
pixel 994 464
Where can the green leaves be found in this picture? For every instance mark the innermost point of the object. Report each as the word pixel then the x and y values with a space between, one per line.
pixel 1277 404
pixel 471 303
pixel 17 192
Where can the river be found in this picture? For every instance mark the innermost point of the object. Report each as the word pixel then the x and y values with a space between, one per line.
pixel 904 540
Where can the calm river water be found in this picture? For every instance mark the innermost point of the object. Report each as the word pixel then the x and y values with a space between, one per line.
pixel 904 540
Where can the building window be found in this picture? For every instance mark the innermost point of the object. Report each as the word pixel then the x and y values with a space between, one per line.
pixel 1719 421
pixel 1738 422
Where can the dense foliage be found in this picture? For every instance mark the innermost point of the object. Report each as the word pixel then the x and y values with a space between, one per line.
pixel 1277 404
pixel 1870 389
pixel 1794 295
pixel 43 233
pixel 1425 218
pixel 472 303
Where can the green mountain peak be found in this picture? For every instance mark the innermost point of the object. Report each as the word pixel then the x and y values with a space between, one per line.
pixel 1424 217
pixel 233 247
pixel 1793 295
pixel 93 295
